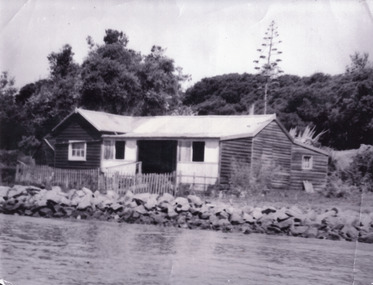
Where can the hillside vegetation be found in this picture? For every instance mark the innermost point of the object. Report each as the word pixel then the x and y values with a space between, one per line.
pixel 116 79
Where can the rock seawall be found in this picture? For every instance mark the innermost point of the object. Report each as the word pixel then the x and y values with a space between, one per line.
pixel 190 212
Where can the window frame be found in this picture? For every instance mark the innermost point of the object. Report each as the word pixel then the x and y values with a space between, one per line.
pixel 192 151
pixel 113 151
pixel 309 164
pixel 72 157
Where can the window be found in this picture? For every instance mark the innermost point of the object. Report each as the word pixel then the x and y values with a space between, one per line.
pixel 198 152
pixel 185 150
pixel 191 151
pixel 77 150
pixel 307 162
pixel 114 149
pixel 119 149
pixel 108 150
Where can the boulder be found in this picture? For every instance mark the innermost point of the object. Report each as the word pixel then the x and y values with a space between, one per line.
pixel 182 204
pixel 166 197
pixel 223 214
pixel 195 200
pixel 214 220
pixel 171 212
pixel 45 212
pixel 312 232
pixel 334 222
pixel 327 214
pixel 16 191
pixel 246 230
pixel 223 223
pixel 151 203
pixel 298 230
pixel 281 215
pixel 268 210
pixel 39 199
pixel 365 222
pixel 84 202
pixel 257 213
pixel 56 188
pixel 87 191
pixel 349 233
pixel 236 218
pixel 56 196
pixel 248 218
pixel 285 224
pixel 101 201
pixel 140 209
pixel 158 218
pixel 112 195
pixel 294 211
pixel 273 229
pixel 141 198
pixel 116 207
pixel 127 214
pixel 4 191
pixel 367 238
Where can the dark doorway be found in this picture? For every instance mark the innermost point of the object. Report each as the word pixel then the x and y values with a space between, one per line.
pixel 157 156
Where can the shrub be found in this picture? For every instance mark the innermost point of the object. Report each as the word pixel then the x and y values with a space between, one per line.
pixel 350 172
pixel 360 172
pixel 254 179
pixel 337 188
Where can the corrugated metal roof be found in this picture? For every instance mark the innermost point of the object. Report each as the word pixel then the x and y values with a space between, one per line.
pixel 176 126
pixel 198 126
pixel 105 122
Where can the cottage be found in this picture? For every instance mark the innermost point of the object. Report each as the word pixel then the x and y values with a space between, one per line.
pixel 196 147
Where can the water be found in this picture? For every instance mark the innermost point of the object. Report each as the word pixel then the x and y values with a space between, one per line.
pixel 47 251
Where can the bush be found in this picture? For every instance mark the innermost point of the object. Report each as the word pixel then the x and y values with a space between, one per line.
pixel 337 188
pixel 251 180
pixel 351 172
pixel 360 172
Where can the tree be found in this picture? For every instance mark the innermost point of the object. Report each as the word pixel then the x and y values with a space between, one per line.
pixel 44 103
pixel 359 62
pixel 10 129
pixel 122 81
pixel 267 64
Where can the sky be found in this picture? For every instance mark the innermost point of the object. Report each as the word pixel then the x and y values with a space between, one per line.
pixel 205 38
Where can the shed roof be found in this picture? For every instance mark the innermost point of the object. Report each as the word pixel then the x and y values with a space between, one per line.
pixel 198 126
pixel 221 127
pixel 103 122
pixel 224 126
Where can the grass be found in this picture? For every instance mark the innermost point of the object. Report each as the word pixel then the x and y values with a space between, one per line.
pixel 286 198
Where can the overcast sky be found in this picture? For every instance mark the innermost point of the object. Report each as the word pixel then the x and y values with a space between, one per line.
pixel 205 38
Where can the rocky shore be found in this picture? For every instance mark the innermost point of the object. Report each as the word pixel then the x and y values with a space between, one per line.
pixel 190 212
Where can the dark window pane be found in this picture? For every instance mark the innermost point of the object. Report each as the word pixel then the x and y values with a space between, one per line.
pixel 119 149
pixel 198 151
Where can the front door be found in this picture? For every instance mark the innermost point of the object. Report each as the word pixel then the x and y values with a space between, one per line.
pixel 157 156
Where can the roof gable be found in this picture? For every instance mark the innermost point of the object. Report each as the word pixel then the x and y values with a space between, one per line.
pixel 101 121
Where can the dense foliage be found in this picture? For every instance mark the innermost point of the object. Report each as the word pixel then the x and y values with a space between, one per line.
pixel 119 80
pixel 341 105
pixel 112 78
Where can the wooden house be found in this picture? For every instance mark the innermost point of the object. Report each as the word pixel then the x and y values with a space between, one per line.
pixel 196 147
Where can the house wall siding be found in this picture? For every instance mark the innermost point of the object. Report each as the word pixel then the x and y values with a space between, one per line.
pixel 271 146
pixel 239 149
pixel 317 175
pixel 76 128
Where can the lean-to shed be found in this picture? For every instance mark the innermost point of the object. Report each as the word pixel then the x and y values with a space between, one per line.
pixel 200 148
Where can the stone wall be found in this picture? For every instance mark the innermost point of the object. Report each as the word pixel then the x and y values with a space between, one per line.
pixel 190 212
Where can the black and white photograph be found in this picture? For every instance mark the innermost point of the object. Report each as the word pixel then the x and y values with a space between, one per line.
pixel 186 142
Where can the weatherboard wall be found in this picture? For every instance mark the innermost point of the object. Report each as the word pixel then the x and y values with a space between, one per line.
pixel 317 175
pixel 238 150
pixel 272 151
pixel 77 128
